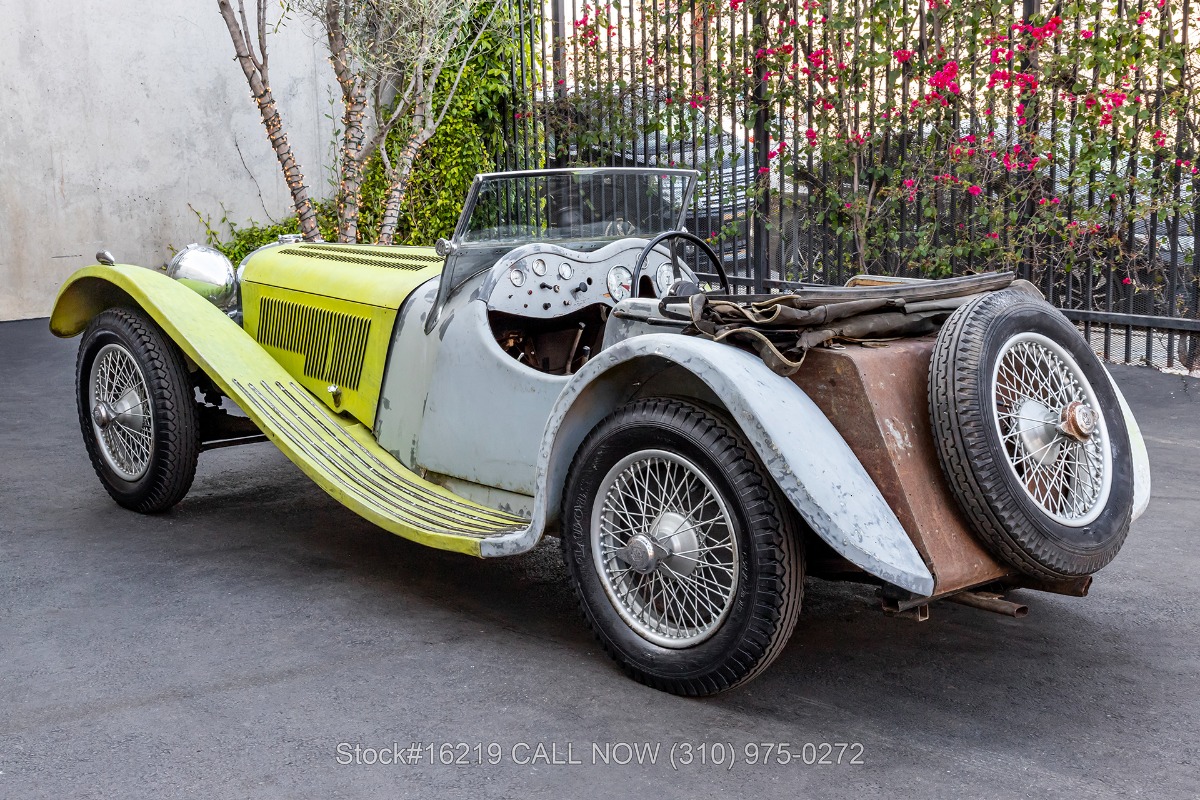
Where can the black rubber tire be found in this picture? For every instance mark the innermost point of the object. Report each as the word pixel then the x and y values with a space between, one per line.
pixel 1012 525
pixel 176 444
pixel 767 601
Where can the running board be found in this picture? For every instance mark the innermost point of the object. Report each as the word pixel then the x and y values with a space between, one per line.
pixel 342 457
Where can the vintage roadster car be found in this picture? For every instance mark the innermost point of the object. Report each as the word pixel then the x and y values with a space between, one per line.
pixel 556 368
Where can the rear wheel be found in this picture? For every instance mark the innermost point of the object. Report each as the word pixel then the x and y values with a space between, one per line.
pixel 137 411
pixel 683 555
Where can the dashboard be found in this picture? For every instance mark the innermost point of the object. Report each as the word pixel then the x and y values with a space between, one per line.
pixel 544 281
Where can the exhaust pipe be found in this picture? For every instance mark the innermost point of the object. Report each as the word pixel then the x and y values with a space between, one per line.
pixel 990 602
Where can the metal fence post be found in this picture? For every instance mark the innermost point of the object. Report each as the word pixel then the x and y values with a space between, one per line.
pixel 759 267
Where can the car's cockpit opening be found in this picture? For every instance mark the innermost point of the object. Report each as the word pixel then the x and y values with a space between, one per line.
pixel 557 346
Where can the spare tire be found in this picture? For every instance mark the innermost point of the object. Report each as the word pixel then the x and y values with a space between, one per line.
pixel 1031 436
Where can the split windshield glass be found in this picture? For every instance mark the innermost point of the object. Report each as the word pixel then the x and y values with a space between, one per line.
pixel 582 209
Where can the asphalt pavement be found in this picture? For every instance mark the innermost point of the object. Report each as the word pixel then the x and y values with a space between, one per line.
pixel 259 636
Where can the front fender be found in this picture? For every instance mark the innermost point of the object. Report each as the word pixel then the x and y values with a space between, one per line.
pixel 806 456
pixel 91 290
pixel 205 334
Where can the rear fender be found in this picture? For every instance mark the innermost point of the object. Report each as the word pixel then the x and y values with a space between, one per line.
pixel 807 457
pixel 1141 458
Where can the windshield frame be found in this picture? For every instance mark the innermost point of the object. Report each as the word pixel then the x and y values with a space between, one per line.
pixel 464 220
pixel 450 279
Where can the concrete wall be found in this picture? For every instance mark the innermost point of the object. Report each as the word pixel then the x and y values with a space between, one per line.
pixel 116 115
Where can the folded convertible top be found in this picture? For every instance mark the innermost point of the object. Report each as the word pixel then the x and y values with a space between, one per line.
pixel 781 328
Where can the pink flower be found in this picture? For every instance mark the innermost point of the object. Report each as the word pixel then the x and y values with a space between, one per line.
pixel 847 205
pixel 1085 34
pixel 1126 281
pixel 974 191
pixel 993 236
pixel 944 78
pixel 903 55
pixel 909 183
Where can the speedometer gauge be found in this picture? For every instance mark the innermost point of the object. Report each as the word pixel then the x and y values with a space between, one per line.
pixel 620 283
pixel 539 267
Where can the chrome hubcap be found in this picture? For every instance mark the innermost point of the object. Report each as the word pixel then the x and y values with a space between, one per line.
pixel 1079 421
pixel 103 415
pixel 641 554
pixel 664 547
pixel 120 411
pixel 1052 429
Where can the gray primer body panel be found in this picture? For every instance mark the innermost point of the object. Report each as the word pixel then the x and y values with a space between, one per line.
pixel 411 361
pixel 454 404
pixel 486 412
pixel 807 457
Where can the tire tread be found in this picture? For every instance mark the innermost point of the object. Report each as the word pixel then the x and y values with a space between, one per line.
pixel 176 441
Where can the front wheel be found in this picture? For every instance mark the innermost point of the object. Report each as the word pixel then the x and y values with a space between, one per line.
pixel 137 411
pixel 682 552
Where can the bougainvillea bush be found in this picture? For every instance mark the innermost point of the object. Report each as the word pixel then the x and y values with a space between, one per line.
pixel 936 136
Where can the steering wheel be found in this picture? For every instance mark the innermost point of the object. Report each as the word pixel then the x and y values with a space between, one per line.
pixel 688 236
pixel 620 227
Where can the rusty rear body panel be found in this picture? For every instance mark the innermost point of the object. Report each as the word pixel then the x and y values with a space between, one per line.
pixel 878 399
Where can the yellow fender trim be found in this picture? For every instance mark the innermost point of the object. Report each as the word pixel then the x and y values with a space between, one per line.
pixel 338 453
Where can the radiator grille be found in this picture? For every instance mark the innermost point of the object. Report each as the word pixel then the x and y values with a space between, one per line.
pixel 370 258
pixel 332 343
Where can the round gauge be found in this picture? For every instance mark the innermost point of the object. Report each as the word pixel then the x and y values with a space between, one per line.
pixel 664 277
pixel 565 272
pixel 620 283
pixel 539 267
pixel 517 277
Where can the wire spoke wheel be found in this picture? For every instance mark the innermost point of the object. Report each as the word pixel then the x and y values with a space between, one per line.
pixel 120 410
pixel 1052 428
pixel 1031 435
pixel 137 411
pixel 664 546
pixel 683 553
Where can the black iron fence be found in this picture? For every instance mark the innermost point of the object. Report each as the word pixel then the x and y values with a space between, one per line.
pixel 904 137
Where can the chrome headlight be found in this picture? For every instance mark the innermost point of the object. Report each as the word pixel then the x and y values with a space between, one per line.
pixel 208 273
